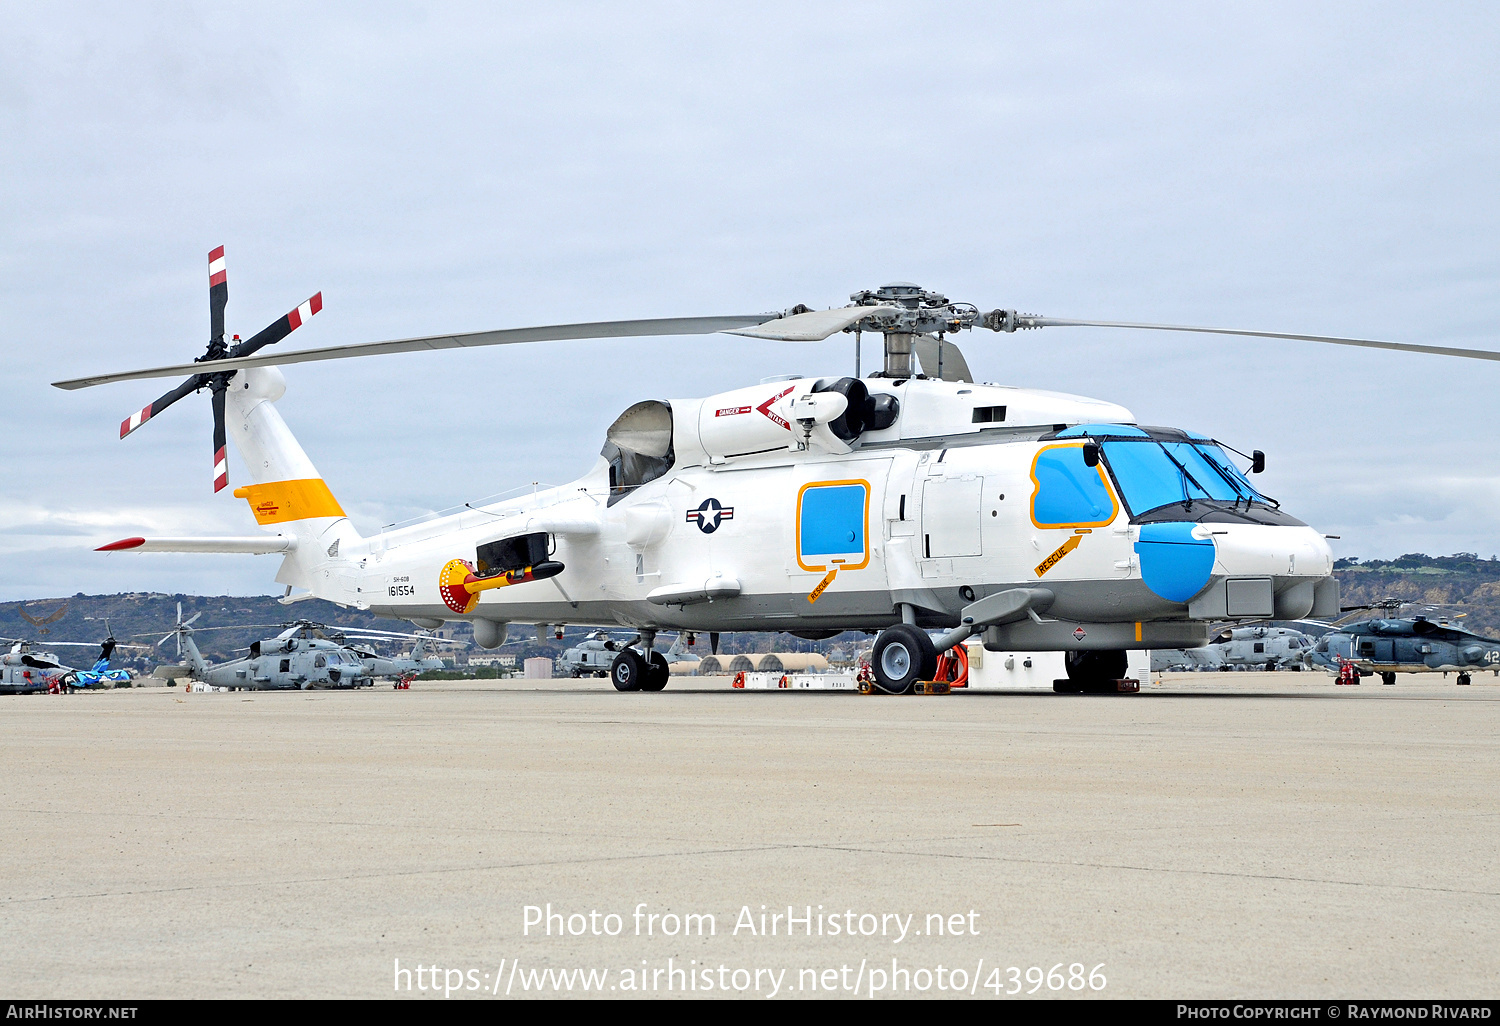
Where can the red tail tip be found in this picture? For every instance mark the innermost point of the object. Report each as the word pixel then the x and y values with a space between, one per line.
pixel 123 543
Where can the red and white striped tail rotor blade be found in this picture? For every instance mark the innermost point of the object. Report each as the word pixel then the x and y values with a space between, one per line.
pixel 304 313
pixel 221 448
pixel 138 419
pixel 218 293
pixel 135 420
pixel 221 469
pixel 280 328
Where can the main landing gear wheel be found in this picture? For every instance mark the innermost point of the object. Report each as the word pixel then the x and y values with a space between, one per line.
pixel 1092 673
pixel 656 674
pixel 1387 677
pixel 628 671
pixel 902 656
pixel 1463 679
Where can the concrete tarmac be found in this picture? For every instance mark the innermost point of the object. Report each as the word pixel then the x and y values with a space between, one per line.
pixel 1216 836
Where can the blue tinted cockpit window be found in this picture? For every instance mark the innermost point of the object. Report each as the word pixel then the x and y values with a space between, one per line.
pixel 1068 492
pixel 1152 474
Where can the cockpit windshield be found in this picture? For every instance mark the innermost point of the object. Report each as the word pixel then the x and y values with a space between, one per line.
pixel 1167 474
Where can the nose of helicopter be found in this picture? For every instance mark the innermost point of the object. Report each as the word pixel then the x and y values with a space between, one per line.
pixel 1238 570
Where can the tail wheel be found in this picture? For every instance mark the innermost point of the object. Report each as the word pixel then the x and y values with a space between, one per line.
pixel 902 656
pixel 628 671
pixel 1463 679
pixel 1387 678
pixel 656 674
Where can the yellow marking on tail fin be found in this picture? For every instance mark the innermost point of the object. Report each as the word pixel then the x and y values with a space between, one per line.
pixel 277 502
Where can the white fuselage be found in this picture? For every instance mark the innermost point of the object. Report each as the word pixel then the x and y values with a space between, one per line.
pixel 742 532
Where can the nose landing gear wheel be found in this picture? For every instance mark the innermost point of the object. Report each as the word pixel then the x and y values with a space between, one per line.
pixel 902 656
pixel 1463 679
pixel 1387 678
pixel 628 671
pixel 656 674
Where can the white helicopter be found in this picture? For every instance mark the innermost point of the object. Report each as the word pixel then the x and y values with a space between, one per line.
pixel 897 503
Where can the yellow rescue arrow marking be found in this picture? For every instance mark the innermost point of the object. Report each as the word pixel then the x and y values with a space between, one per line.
pixel 1056 557
pixel 823 585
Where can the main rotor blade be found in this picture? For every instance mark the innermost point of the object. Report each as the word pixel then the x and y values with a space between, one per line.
pixel 1367 343
pixel 812 325
pixel 135 420
pixel 505 336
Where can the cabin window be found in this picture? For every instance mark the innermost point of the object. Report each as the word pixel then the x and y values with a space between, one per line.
pixel 319 663
pixel 286 666
pixel 1068 492
pixel 832 525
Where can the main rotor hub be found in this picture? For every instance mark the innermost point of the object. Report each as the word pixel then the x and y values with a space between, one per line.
pixel 917 312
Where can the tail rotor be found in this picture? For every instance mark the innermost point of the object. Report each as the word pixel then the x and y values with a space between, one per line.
pixel 218 299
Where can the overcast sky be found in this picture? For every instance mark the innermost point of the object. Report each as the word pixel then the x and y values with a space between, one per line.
pixel 1326 168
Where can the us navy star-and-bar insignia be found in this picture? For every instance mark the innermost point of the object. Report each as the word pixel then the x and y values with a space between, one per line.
pixel 710 515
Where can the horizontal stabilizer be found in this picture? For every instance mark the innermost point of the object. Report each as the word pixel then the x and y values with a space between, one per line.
pixel 254 545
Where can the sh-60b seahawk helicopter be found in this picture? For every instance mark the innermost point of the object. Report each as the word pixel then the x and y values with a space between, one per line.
pixel 1417 644
pixel 300 657
pixel 896 503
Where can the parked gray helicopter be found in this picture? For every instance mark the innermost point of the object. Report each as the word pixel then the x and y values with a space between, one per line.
pixel 1242 648
pixel 363 643
pixel 296 659
pixel 1416 644
pixel 592 656
pixel 26 671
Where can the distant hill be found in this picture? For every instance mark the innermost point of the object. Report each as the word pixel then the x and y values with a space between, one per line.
pixel 152 614
pixel 1460 583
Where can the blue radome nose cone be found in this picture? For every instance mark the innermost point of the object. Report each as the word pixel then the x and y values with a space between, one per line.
pixel 1174 564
